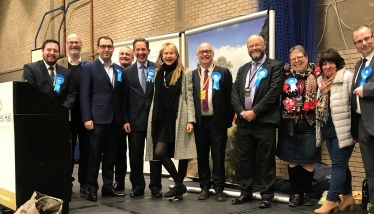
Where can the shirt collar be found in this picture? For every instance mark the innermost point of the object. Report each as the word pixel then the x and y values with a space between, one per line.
pixel 261 61
pixel 370 56
pixel 138 64
pixel 103 63
pixel 47 66
pixel 210 68
pixel 76 63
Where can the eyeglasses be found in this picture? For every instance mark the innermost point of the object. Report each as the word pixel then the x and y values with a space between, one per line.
pixel 254 46
pixel 106 46
pixel 361 41
pixel 205 51
pixel 298 58
pixel 72 43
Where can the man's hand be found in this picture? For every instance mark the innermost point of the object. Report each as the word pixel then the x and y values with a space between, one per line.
pixel 89 125
pixel 189 127
pixel 249 115
pixel 127 127
pixel 359 92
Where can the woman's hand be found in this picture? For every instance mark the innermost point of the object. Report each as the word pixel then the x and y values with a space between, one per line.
pixel 189 127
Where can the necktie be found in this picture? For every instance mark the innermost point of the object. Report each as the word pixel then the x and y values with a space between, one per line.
pixel 143 78
pixel 248 99
pixel 205 106
pixel 357 84
pixel 52 73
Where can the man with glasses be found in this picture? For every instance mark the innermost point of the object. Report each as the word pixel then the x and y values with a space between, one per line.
pixel 42 73
pixel 102 114
pixel 255 98
pixel 362 102
pixel 137 98
pixel 214 113
pixel 74 62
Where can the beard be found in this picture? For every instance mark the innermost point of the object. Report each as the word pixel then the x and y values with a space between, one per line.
pixel 257 57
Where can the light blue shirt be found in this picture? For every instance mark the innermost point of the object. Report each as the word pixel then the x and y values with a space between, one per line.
pixel 259 66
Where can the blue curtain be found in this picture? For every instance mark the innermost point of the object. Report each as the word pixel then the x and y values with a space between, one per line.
pixel 295 24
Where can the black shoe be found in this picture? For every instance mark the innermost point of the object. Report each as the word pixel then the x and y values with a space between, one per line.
pixel 113 193
pixel 204 194
pixel 119 186
pixel 265 203
pixel 92 196
pixel 242 199
pixel 296 200
pixel 308 200
pixel 220 196
pixel 136 193
pixel 177 192
pixel 157 193
pixel 84 189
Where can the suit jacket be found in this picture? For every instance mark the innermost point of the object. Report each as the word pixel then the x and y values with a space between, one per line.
pixel 100 101
pixel 366 103
pixel 37 75
pixel 136 103
pixel 223 111
pixel 266 101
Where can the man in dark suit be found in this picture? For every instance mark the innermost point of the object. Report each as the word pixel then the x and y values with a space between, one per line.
pixel 214 114
pixel 138 94
pixel 74 62
pixel 126 57
pixel 256 101
pixel 46 75
pixel 362 103
pixel 102 114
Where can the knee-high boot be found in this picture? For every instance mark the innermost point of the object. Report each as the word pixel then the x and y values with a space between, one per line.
pixel 297 196
pixel 307 184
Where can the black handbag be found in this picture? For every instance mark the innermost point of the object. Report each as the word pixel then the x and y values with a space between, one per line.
pixel 288 127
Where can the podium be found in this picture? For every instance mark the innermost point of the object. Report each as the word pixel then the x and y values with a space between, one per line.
pixel 35 148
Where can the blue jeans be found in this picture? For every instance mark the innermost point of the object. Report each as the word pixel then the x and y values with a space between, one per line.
pixel 341 178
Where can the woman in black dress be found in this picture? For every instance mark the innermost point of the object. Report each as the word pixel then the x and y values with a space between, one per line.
pixel 172 115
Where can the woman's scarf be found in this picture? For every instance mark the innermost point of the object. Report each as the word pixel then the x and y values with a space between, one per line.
pixel 322 114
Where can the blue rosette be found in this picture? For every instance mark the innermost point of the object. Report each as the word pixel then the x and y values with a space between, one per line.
pixel 58 81
pixel 119 73
pixel 151 74
pixel 216 76
pixel 261 74
pixel 83 63
pixel 292 83
pixel 365 73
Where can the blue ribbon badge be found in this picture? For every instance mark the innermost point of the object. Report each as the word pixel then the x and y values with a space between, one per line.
pixel 365 73
pixel 83 63
pixel 151 74
pixel 292 83
pixel 261 74
pixel 216 76
pixel 58 81
pixel 119 73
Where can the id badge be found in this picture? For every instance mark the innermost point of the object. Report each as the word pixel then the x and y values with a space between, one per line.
pixel 299 101
pixel 202 94
pixel 247 92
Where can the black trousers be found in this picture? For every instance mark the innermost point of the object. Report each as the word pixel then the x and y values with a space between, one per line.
pixel 103 147
pixel 136 153
pixel 256 154
pixel 210 139
pixel 78 131
pixel 121 160
pixel 366 142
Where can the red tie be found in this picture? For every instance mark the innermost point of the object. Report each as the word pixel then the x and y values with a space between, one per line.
pixel 206 87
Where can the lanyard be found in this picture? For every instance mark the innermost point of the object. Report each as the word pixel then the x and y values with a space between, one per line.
pixel 199 72
pixel 250 80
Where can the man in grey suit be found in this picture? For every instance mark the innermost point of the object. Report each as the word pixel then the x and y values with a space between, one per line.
pixel 362 102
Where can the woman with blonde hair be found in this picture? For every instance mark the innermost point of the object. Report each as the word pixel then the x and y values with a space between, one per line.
pixel 172 115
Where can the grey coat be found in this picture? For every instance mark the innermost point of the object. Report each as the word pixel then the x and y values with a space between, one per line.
pixel 340 105
pixel 185 147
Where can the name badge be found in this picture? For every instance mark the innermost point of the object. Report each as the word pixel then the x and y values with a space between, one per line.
pixel 247 92
pixel 202 94
pixel 299 101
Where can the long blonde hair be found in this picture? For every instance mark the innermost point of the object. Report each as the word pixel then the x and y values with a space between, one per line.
pixel 180 67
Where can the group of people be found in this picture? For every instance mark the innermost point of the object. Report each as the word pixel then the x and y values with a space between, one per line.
pixel 185 114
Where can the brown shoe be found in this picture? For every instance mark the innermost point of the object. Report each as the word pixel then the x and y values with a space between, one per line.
pixel 328 207
pixel 347 201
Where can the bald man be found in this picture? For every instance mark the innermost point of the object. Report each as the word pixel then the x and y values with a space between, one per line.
pixel 212 98
pixel 74 62
pixel 255 98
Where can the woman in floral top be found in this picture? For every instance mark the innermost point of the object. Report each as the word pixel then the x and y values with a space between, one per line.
pixel 297 135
